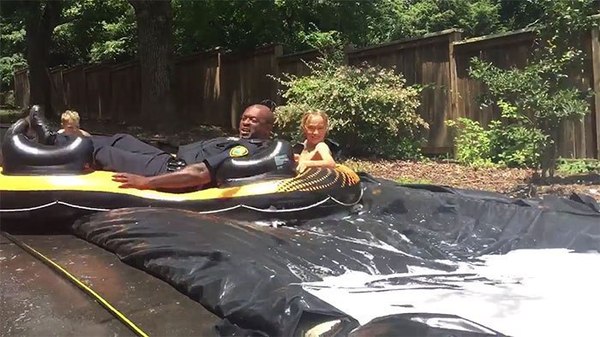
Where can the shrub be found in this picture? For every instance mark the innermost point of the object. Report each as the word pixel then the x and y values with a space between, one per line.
pixel 506 141
pixel 371 109
pixel 472 143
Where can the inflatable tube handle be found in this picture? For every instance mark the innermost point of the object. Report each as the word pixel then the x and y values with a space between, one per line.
pixel 38 124
pixel 21 156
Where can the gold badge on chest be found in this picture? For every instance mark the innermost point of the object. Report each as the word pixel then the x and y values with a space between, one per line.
pixel 238 151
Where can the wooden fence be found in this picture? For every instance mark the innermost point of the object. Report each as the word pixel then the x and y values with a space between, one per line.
pixel 213 87
pixel 422 61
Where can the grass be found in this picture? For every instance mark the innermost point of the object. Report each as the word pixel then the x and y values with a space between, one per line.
pixel 577 166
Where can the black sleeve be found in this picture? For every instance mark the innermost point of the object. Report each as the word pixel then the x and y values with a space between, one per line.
pixel 213 162
pixel 297 148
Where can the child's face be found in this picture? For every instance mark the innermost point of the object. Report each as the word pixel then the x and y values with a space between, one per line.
pixel 315 129
pixel 70 127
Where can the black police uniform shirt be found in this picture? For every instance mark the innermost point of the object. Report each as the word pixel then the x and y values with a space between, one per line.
pixel 215 151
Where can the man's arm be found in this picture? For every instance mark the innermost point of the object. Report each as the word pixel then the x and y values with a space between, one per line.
pixel 190 176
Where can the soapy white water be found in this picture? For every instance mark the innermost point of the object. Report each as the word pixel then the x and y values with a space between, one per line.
pixel 542 292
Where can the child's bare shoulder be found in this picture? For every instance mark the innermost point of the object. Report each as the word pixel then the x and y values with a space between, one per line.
pixel 322 146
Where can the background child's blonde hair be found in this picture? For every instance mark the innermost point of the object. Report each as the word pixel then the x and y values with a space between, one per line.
pixel 70 116
pixel 310 113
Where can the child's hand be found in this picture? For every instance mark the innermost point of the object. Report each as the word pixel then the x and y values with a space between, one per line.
pixel 301 167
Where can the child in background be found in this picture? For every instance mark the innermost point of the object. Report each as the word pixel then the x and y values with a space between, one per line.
pixel 316 153
pixel 70 124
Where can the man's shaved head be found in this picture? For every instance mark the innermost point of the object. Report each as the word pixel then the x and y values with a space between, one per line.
pixel 265 112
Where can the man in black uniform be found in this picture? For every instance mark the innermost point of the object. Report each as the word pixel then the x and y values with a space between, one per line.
pixel 143 166
pixel 202 158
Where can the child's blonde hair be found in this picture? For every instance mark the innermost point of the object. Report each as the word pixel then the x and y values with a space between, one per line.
pixel 311 113
pixel 70 116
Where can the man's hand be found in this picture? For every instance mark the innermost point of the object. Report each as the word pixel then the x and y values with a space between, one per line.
pixel 129 180
pixel 190 176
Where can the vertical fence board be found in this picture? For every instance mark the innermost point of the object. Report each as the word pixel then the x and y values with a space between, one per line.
pixel 594 121
pixel 21 87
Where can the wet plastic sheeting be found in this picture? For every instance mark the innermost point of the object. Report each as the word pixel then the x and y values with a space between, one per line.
pixel 249 274
pixel 244 272
pixel 422 325
pixel 460 224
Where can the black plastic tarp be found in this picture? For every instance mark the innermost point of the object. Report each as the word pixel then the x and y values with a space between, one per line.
pixel 249 274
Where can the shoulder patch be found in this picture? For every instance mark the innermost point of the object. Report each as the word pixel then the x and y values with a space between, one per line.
pixel 238 151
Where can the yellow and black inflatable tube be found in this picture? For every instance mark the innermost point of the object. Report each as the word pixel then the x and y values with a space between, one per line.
pixel 55 181
pixel 62 195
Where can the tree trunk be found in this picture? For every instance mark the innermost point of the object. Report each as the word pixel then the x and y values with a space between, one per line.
pixel 155 51
pixel 550 153
pixel 41 19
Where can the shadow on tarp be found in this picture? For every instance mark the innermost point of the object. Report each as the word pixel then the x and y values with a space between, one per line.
pixel 250 275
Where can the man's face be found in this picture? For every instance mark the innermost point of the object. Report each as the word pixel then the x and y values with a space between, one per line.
pixel 255 123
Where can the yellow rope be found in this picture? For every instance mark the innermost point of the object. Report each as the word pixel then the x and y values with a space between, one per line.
pixel 120 316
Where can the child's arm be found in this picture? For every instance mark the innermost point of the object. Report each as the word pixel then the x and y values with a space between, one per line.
pixel 326 159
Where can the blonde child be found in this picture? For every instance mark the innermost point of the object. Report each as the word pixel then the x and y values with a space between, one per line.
pixel 70 124
pixel 316 153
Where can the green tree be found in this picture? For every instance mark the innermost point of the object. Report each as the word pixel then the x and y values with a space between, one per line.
pixel 94 31
pixel 12 43
pixel 519 14
pixel 86 31
pixel 399 19
pixel 238 25
pixel 39 19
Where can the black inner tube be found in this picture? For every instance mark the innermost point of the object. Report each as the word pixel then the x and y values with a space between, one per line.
pixel 22 156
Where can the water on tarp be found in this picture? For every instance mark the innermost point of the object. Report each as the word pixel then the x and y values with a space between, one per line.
pixel 545 292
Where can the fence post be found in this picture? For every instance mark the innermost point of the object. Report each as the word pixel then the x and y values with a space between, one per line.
pixel 453 97
pixel 349 48
pixel 277 53
pixel 595 41
pixel 85 91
